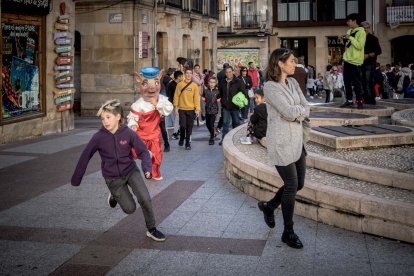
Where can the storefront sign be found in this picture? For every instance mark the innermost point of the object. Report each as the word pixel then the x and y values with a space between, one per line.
pixel 226 43
pixel 31 7
pixel 334 41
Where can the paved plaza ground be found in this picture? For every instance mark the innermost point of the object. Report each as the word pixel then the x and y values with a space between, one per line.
pixel 49 227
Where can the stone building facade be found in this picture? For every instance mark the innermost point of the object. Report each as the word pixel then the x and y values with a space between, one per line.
pixel 243 33
pixel 116 40
pixel 30 105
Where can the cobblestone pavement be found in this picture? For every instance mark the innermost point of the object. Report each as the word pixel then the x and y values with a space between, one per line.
pixel 49 227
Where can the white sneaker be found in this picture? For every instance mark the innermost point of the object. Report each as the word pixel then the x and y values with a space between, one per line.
pixel 245 140
pixel 158 178
pixel 377 98
pixel 311 97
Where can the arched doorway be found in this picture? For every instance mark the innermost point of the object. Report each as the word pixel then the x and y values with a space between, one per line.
pixel 401 49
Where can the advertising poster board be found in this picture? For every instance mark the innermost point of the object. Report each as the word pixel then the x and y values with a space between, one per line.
pixel 237 57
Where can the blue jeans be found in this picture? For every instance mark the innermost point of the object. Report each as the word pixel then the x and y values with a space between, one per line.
pixel 230 116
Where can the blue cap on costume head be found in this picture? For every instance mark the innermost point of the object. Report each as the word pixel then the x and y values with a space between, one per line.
pixel 150 72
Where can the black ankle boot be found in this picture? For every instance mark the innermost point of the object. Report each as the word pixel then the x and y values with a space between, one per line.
pixel 291 239
pixel 269 215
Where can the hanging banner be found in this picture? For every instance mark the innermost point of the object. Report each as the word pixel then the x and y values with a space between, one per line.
pixel 31 7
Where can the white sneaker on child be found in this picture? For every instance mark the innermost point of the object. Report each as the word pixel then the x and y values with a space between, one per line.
pixel 246 140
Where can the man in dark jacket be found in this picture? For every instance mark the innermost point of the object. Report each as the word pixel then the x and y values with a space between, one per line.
pixel 229 87
pixel 301 75
pixel 222 74
pixel 372 49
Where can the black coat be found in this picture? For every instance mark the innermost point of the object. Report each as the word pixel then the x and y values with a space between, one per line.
pixel 259 121
pixel 228 90
pixel 372 46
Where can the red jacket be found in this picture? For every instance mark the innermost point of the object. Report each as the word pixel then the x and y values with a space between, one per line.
pixel 254 74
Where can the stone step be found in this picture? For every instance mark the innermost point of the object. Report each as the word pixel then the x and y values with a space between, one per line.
pixel 391 167
pixel 398 104
pixel 362 136
pixel 322 118
pixel 404 117
pixel 333 199
pixel 371 110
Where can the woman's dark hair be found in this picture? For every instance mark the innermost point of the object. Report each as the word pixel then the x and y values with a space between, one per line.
pixel 242 68
pixel 273 71
pixel 328 67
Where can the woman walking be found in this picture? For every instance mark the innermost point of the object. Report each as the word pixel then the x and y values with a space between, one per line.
pixel 286 108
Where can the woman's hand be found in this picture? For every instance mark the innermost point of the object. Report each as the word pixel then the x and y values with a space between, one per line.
pixel 134 127
pixel 147 175
pixel 287 119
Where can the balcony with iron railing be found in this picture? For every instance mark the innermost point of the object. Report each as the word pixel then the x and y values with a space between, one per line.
pixel 206 8
pixel 400 14
pixel 246 21
pixel 174 3
pixel 316 13
pixel 197 6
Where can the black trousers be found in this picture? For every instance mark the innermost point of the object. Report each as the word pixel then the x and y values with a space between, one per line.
pixel 186 118
pixel 368 73
pixel 210 120
pixel 293 176
pixel 353 77
pixel 164 132
pixel 328 95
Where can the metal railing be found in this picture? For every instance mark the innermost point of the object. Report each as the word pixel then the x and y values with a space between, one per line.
pixel 400 14
pixel 214 8
pixel 197 6
pixel 246 21
pixel 207 8
pixel 175 3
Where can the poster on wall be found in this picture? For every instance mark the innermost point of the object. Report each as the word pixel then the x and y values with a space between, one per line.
pixel 237 57
pixel 20 70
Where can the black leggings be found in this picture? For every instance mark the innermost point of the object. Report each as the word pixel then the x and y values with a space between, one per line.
pixel 164 132
pixel 293 176
pixel 210 120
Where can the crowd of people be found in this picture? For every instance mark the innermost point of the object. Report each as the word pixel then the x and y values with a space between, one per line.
pixel 213 101
pixel 273 105
pixel 360 73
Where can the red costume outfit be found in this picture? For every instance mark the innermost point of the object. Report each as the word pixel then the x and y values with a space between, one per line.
pixel 147 117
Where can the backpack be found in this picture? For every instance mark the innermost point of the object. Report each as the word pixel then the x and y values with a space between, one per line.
pixel 403 83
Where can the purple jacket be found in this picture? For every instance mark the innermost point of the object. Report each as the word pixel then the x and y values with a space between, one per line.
pixel 115 152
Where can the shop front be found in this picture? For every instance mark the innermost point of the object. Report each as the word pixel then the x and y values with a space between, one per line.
pixel 34 102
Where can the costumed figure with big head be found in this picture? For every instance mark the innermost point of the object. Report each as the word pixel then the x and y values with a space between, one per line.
pixel 146 114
